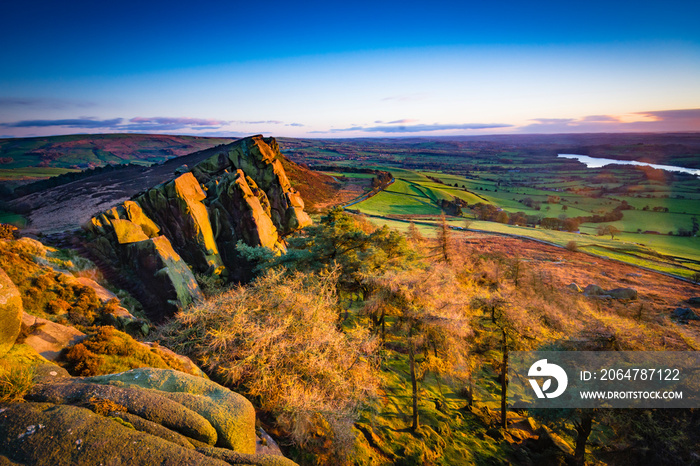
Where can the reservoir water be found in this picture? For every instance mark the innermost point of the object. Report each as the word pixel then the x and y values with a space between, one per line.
pixel 595 162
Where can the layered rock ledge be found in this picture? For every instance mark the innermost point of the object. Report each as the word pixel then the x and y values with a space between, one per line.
pixel 157 241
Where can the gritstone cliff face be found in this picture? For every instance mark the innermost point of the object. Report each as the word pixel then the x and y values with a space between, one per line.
pixel 156 240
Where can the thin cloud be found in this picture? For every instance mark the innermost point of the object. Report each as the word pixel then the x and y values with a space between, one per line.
pixel 136 124
pixel 299 125
pixel 401 122
pixel 263 122
pixel 684 114
pixel 554 121
pixel 163 121
pixel 651 121
pixel 17 102
pixel 601 118
pixel 421 128
pixel 29 102
pixel 68 123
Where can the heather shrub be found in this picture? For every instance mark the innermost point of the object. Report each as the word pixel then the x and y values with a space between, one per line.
pixel 277 341
pixel 7 231
pixel 109 351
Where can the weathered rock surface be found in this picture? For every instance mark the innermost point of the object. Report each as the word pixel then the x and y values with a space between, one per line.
pixel 593 290
pixel 625 294
pixel 149 405
pixel 148 265
pixel 103 293
pixel 49 338
pixel 139 417
pixel 232 415
pixel 44 434
pixel 178 208
pixel 240 193
pixel 189 366
pixel 162 274
pixel 258 158
pixel 685 314
pixel 10 312
pixel 234 457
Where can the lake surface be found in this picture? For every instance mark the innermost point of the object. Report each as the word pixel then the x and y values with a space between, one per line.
pixel 595 162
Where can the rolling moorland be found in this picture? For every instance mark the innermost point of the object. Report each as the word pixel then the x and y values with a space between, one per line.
pixel 517 186
pixel 355 343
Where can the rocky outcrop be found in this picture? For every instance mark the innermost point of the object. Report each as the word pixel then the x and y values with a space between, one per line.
pixel 593 290
pixel 52 435
pixel 178 208
pixel 140 417
pixel 194 221
pixel 162 271
pixel 231 415
pixel 240 212
pixel 259 158
pixel 10 312
pixel 623 294
pixel 684 314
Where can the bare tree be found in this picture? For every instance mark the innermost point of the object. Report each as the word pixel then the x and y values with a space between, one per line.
pixel 431 316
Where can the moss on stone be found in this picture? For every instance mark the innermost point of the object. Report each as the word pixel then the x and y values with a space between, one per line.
pixel 152 428
pixel 148 404
pixel 233 457
pixel 43 434
pixel 162 270
pixel 231 414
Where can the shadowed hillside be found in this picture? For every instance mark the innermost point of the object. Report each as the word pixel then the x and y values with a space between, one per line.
pixel 42 157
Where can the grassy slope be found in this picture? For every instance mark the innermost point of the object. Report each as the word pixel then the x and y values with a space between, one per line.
pixel 414 194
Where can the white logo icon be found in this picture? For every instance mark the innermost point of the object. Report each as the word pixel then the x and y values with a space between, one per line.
pixel 542 369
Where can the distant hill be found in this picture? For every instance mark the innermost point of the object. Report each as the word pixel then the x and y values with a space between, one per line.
pixel 43 157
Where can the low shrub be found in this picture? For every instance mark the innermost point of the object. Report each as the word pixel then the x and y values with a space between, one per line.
pixel 109 351
pixel 277 342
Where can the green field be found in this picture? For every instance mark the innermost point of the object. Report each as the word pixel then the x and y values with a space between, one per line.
pixel 400 198
pixel 28 173
pixel 414 196
pixel 13 219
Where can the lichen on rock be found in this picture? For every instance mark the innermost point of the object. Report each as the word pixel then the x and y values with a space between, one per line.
pixel 232 415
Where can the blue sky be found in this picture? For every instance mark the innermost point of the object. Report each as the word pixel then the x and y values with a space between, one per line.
pixel 359 69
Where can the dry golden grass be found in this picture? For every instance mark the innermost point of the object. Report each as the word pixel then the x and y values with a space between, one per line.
pixel 277 341
pixel 550 311
pixel 15 382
